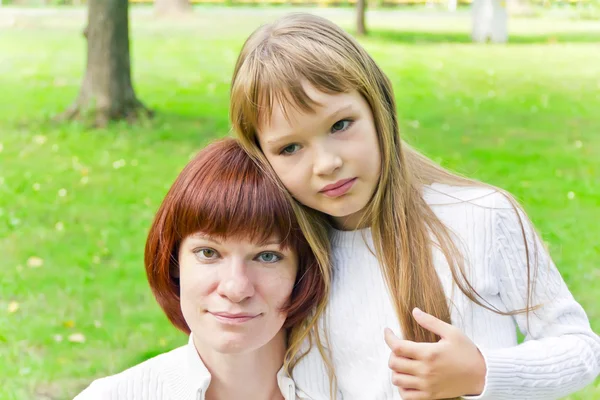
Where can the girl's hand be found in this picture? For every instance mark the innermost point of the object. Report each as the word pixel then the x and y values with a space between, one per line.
pixel 450 368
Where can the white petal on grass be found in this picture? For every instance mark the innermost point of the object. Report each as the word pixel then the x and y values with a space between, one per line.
pixel 119 164
pixel 36 186
pixel 97 324
pixel 59 226
pixel 84 180
pixel 77 338
pixel 571 195
pixel 578 144
pixel 39 139
pixel 415 124
pixel 35 262
pixel 1 147
pixel 13 306
pixel 62 192
pixel 58 338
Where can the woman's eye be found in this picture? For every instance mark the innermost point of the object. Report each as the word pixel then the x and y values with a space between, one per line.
pixel 268 257
pixel 341 125
pixel 206 253
pixel 291 149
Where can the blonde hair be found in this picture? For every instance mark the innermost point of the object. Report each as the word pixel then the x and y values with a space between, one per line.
pixel 271 67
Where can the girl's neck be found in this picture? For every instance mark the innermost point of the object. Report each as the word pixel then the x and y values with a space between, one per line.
pixel 350 222
pixel 251 375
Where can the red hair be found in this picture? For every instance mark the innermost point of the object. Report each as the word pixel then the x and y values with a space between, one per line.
pixel 223 193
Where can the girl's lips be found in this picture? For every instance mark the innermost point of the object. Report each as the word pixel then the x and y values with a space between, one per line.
pixel 339 188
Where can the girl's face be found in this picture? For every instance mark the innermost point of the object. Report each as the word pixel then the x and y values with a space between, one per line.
pixel 328 159
pixel 232 291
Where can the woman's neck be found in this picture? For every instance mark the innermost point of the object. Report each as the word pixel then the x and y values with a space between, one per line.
pixel 251 375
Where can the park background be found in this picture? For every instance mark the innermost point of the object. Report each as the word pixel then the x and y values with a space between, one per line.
pixel 77 196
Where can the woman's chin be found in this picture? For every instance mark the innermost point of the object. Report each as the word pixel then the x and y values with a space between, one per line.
pixel 236 343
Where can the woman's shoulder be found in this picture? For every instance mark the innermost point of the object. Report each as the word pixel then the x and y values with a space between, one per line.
pixel 147 378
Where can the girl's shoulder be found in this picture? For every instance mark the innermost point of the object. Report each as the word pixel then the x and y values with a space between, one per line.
pixel 147 377
pixel 474 211
pixel 438 194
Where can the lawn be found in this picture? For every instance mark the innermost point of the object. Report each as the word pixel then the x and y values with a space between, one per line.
pixel 75 203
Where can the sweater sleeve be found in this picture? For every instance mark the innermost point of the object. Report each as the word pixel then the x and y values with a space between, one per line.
pixel 92 392
pixel 561 353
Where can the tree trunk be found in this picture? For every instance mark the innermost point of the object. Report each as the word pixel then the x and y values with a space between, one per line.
pixel 361 6
pixel 172 7
pixel 490 21
pixel 106 92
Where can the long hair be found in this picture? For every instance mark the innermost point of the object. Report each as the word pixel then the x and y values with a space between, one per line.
pixel 271 67
pixel 223 193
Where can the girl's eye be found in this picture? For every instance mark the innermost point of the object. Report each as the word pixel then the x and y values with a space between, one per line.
pixel 268 257
pixel 341 125
pixel 291 149
pixel 206 253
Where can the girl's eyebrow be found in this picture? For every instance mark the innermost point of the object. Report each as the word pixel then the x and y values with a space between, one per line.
pixel 340 111
pixel 281 139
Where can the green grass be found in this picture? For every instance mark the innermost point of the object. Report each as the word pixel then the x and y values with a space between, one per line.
pixel 522 116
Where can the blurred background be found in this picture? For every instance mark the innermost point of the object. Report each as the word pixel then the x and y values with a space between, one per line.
pixel 100 111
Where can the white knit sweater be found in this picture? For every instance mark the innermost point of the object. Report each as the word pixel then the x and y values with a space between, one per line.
pixel 177 375
pixel 560 354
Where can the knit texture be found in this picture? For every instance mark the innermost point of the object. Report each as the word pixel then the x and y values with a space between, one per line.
pixel 177 375
pixel 560 354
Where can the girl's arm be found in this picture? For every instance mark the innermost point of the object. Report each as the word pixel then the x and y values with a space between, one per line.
pixel 561 353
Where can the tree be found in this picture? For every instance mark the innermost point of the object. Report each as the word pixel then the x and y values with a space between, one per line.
pixel 490 21
pixel 106 92
pixel 170 7
pixel 361 7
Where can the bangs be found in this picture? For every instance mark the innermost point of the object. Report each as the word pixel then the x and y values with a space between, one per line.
pixel 223 193
pixel 274 71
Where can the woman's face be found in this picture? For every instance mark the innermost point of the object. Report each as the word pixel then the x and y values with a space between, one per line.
pixel 329 158
pixel 232 291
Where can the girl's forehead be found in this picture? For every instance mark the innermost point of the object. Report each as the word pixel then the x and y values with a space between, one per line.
pixel 286 110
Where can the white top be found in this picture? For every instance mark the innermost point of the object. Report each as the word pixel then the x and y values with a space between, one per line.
pixel 560 354
pixel 177 375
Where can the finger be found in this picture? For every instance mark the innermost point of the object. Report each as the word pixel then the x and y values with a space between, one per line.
pixel 399 347
pixel 405 382
pixel 412 394
pixel 404 365
pixel 432 324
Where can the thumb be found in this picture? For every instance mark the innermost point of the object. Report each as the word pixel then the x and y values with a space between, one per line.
pixel 431 323
pixel 390 338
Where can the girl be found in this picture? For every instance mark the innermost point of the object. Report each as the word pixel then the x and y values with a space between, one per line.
pixel 451 265
pixel 229 266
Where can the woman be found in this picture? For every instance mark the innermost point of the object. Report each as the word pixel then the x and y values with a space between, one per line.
pixel 227 262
